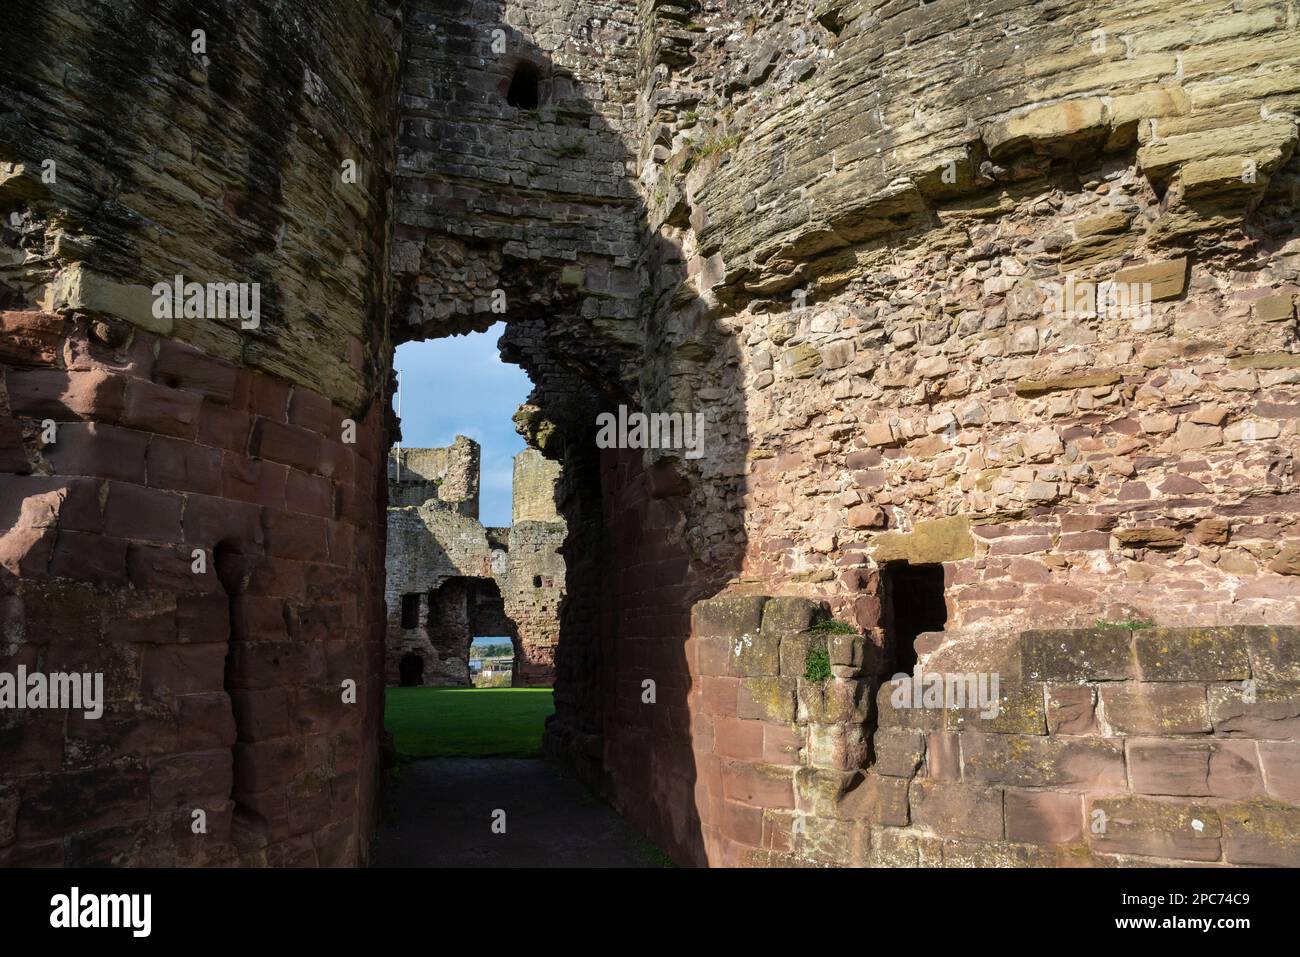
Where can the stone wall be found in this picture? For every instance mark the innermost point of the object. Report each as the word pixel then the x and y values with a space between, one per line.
pixel 1107 746
pixel 191 508
pixel 532 488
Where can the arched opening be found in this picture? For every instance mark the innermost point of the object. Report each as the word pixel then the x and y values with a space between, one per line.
pixel 525 91
pixel 411 671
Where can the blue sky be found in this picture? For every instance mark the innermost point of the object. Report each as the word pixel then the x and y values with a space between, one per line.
pixel 460 386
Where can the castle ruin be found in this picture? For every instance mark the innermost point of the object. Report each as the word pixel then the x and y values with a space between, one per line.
pixel 989 310
pixel 449 579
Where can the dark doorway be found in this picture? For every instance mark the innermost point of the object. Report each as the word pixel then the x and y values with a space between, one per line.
pixel 525 88
pixel 410 671
pixel 912 602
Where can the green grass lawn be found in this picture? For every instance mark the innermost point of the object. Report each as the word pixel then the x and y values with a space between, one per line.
pixel 467 722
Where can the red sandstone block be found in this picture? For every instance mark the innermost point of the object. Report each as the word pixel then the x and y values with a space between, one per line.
pixel 257 618
pixel 339 462
pixel 262 714
pixel 309 805
pixel 957 810
pixel 212 849
pixel 759 785
pixel 318 622
pixel 1261 833
pixel 183 669
pixel 145 514
pixel 209 520
pixel 719 696
pixel 342 541
pixel 282 578
pixel 54 394
pixel 1280 762
pixel 1025 545
pixel 150 407
pixel 1173 830
pixel 13 454
pixel 89 557
pixel 781 744
pixel 297 851
pixel 205 721
pixel 1043 817
pixel 187 778
pixel 1195 768
pixel 735 738
pixel 263 765
pixel 1071 709
pixel 327 582
pixel 203 618
pixel 70 801
pixel 148 625
pixel 742 823
pixel 288 445
pixel 301 537
pixel 167 568
pixel 701 728
pixel 269 398
pixel 310 494
pixel 183 466
pixel 313 411
pixel 182 366
pixel 336 845
pixel 253 480
pixel 271 805
pixel 95 449
pixel 42 501
pixel 1084 541
pixel 273 664
pixel 1042 761
pixel 343 659
pixel 353 506
pixel 943 756
pixel 223 427
pixel 343 795
pixel 348 752
pixel 1155 708
pixel 30 338
pixel 317 751
pixel 34 854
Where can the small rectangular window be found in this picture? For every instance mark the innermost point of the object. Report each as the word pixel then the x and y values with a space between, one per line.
pixel 410 611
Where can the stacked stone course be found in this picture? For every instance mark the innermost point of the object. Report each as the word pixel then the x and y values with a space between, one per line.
pixel 1109 746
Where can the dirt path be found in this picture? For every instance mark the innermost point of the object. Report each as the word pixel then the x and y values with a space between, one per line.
pixel 441 815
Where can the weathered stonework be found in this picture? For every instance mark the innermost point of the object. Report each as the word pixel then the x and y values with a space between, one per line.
pixel 197 525
pixel 1108 746
pixel 832 228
